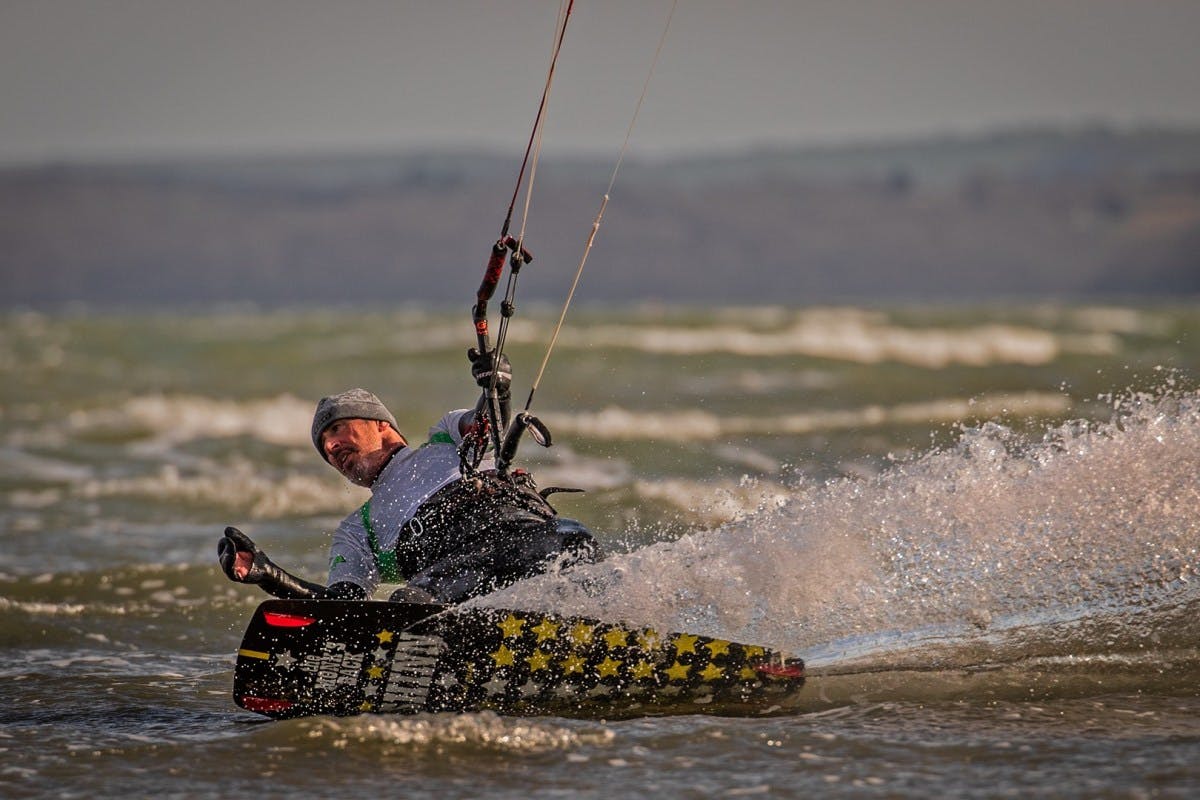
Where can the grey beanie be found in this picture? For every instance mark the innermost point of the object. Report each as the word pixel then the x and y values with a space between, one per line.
pixel 350 404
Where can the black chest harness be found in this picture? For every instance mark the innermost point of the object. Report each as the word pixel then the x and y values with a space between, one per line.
pixel 471 513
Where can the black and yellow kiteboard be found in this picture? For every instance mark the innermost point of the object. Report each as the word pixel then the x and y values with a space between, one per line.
pixel 304 657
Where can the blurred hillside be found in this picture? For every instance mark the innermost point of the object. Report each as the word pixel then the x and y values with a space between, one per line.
pixel 1029 214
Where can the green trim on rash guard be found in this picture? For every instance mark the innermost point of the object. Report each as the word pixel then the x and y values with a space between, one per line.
pixel 385 560
pixel 441 437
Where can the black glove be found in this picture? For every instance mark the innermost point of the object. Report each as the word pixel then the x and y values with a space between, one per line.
pixel 227 550
pixel 483 366
pixel 262 570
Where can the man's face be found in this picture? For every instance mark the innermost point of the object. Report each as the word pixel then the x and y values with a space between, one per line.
pixel 356 448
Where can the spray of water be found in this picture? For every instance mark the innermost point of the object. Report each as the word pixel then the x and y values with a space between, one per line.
pixel 997 548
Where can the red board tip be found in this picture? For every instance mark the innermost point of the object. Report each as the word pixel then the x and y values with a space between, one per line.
pixel 264 705
pixel 287 620
pixel 781 670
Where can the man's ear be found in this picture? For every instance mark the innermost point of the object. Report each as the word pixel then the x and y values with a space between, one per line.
pixel 387 426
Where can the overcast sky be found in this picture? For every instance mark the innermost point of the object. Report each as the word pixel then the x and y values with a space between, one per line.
pixel 128 79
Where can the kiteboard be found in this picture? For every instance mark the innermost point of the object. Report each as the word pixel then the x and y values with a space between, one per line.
pixel 306 657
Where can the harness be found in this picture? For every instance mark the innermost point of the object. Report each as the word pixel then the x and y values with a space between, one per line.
pixel 483 493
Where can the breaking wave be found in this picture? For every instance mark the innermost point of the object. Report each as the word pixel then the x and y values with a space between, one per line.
pixel 164 420
pixel 841 334
pixel 240 486
pixel 846 334
pixel 693 424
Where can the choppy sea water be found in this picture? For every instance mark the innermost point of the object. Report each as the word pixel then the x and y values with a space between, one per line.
pixel 979 527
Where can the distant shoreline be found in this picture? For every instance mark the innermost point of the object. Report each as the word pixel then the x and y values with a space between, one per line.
pixel 1025 214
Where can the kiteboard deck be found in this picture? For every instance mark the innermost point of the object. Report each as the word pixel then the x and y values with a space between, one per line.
pixel 305 657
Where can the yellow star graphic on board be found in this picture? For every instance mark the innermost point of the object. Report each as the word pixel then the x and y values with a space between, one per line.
pixel 503 657
pixel 649 639
pixel 366 706
pixel 685 643
pixel 717 646
pixel 545 630
pixel 511 626
pixel 712 672
pixel 616 638
pixel 642 669
pixel 608 667
pixel 678 672
pixel 573 664
pixel 753 650
pixel 538 660
pixel 384 636
pixel 581 633
pixel 747 674
pixel 375 672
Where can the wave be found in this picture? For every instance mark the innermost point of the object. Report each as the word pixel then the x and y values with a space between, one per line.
pixel 856 335
pixel 853 335
pixel 849 334
pixel 693 424
pixel 18 464
pixel 241 486
pixel 41 608
pixel 563 466
pixel 161 421
pixel 998 548
pixel 154 429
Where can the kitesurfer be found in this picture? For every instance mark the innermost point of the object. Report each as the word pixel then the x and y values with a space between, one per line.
pixel 447 535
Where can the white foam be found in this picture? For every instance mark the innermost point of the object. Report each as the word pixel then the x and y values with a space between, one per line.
pixel 853 336
pixel 239 486
pixel 839 334
pixel 172 419
pixel 1112 319
pixel 41 608
pixel 693 424
pixel 485 730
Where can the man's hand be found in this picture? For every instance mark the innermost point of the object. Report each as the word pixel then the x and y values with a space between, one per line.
pixel 243 562
pixel 484 365
pixel 240 558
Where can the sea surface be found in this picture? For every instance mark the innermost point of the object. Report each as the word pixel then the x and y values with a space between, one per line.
pixel 979 526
